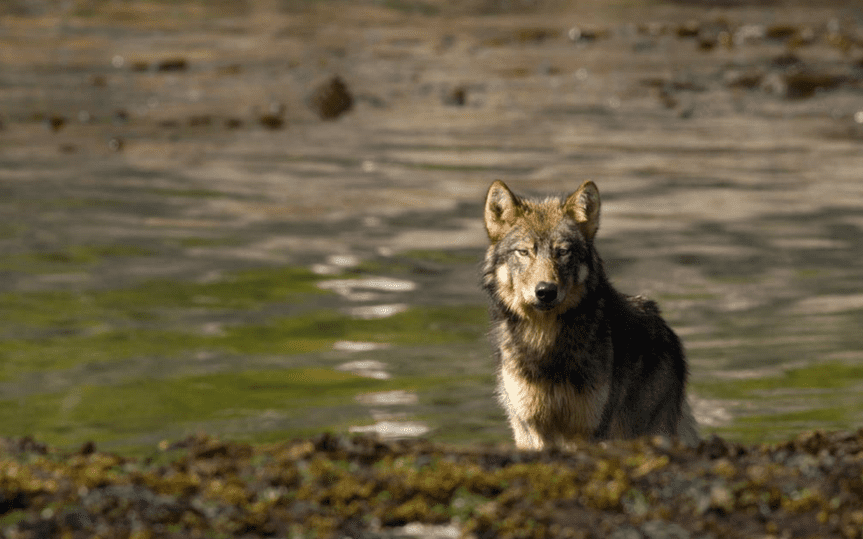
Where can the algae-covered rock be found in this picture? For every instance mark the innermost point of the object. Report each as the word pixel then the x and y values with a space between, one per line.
pixel 359 486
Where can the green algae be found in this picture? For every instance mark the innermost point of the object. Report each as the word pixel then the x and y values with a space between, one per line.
pixel 105 413
pixel 241 290
pixel 236 317
pixel 336 486
pixel 70 258
pixel 417 261
pixel 66 351
pixel 311 332
pixel 320 329
pixel 247 289
pixel 826 376
pixel 828 391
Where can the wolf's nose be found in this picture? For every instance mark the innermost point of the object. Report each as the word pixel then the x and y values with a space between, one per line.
pixel 546 292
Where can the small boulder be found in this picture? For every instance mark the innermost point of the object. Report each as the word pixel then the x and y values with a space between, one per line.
pixel 331 99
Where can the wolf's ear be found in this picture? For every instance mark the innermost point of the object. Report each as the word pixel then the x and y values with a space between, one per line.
pixel 583 207
pixel 501 210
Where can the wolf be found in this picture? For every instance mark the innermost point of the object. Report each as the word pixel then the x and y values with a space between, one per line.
pixel 577 360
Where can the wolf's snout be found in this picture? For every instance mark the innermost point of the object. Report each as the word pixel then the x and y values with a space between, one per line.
pixel 546 292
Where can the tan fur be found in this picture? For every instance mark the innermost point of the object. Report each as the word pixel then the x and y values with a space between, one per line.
pixel 554 381
pixel 545 413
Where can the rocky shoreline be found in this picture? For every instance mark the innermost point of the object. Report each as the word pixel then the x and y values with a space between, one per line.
pixel 360 486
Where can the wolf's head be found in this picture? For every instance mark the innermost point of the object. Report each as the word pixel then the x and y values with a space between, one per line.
pixel 541 254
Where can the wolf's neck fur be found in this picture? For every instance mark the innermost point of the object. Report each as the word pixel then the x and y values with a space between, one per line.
pixel 558 347
pixel 538 332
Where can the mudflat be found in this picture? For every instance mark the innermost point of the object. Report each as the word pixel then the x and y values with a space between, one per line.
pixel 263 218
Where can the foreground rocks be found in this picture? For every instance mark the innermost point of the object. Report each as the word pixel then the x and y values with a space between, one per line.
pixel 336 486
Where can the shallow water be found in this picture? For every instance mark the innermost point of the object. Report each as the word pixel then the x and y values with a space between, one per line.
pixel 263 284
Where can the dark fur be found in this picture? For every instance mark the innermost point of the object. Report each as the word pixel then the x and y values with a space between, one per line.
pixel 604 350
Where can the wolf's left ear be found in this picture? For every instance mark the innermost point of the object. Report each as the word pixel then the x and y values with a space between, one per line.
pixel 583 207
pixel 501 210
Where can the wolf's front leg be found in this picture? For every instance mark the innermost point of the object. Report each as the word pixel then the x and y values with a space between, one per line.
pixel 510 395
pixel 526 437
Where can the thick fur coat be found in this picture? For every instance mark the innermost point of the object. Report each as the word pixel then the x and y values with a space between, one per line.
pixel 577 360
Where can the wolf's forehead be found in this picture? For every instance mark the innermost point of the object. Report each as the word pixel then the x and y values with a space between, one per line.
pixel 544 218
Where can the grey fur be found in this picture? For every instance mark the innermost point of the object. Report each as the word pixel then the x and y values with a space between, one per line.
pixel 577 360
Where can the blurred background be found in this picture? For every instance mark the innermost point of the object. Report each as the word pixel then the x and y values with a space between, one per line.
pixel 261 219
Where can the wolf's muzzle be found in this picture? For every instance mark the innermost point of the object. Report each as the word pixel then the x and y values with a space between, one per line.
pixel 546 293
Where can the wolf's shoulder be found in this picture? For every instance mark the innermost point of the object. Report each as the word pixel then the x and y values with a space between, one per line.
pixel 639 319
pixel 642 305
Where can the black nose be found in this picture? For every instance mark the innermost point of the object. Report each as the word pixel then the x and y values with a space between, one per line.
pixel 546 292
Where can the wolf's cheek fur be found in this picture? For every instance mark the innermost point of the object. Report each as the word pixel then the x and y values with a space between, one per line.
pixel 583 272
pixel 508 291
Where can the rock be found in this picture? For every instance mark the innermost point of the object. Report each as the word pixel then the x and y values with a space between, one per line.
pixel 659 529
pixel 271 121
pixel 746 79
pixel 535 35
pixel 55 122
pixel 578 34
pixel 780 32
pixel 626 532
pixel 173 64
pixel 456 97
pixel 689 29
pixel 789 59
pixel 331 99
pixel 800 85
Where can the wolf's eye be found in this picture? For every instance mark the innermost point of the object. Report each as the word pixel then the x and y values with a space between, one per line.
pixel 560 252
pixel 522 252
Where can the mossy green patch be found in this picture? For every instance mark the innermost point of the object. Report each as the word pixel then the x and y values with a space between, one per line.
pixel 234 316
pixel 765 428
pixel 81 341
pixel 827 390
pixel 49 330
pixel 12 517
pixel 249 289
pixel 66 351
pixel 53 308
pixel 809 273
pixel 71 258
pixel 833 375
pixel 427 325
pixel 105 413
pixel 317 330
pixel 242 290
pixel 417 261
pixel 821 416
pixel 8 231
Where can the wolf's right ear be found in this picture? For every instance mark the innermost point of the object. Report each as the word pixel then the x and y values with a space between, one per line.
pixel 501 210
pixel 583 207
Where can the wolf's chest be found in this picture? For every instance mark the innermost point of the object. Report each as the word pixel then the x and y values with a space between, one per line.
pixel 554 410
